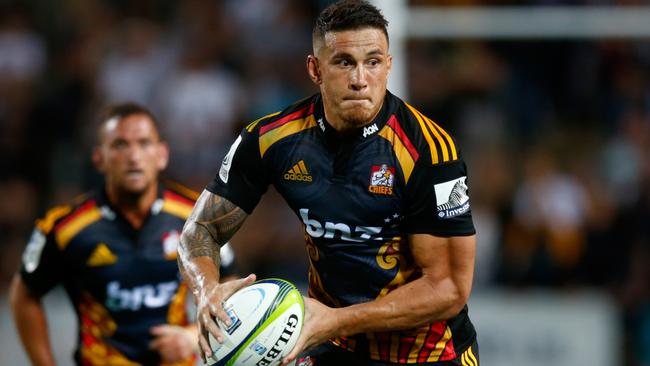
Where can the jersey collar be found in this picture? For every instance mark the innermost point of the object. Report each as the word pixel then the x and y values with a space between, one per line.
pixel 109 212
pixel 362 133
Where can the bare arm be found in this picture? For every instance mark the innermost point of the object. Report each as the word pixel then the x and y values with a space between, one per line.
pixel 31 322
pixel 447 271
pixel 213 221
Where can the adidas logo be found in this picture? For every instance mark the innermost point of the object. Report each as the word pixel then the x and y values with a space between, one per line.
pixel 101 256
pixel 298 172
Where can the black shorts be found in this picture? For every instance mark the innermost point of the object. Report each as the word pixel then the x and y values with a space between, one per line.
pixel 330 355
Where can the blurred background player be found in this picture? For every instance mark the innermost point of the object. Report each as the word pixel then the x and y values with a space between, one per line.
pixel 382 195
pixel 114 252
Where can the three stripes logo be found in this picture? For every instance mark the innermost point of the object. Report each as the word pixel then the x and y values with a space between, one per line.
pixel 468 358
pixel 298 172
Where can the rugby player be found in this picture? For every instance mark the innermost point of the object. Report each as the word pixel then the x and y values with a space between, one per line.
pixel 382 192
pixel 114 252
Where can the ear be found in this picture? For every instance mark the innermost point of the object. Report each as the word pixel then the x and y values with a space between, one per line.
pixel 98 159
pixel 163 156
pixel 389 62
pixel 313 70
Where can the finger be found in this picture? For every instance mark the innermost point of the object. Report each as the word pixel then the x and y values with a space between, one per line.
pixel 294 352
pixel 219 311
pixel 158 330
pixel 204 346
pixel 210 326
pixel 156 344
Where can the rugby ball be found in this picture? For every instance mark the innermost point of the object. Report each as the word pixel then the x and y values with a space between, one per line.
pixel 266 319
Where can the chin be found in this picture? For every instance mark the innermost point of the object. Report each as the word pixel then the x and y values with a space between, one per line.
pixel 358 118
pixel 135 188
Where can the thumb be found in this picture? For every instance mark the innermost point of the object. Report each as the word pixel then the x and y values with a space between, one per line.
pixel 159 330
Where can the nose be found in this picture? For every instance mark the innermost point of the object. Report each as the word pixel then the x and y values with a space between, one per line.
pixel 358 79
pixel 134 153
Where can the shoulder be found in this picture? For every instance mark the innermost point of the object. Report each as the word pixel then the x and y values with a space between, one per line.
pixel 64 222
pixel 178 200
pixel 429 138
pixel 276 126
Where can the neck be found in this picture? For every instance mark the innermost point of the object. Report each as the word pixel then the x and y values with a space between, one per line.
pixel 135 207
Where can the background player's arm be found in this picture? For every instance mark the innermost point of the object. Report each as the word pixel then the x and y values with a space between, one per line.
pixel 443 290
pixel 213 221
pixel 31 322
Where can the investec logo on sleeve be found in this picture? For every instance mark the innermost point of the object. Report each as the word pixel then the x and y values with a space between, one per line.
pixel 451 198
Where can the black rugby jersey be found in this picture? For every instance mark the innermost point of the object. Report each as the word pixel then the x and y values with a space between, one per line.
pixel 121 281
pixel 358 196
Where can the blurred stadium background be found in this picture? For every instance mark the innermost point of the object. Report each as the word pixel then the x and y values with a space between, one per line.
pixel 550 100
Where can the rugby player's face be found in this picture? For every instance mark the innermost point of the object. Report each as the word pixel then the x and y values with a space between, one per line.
pixel 131 154
pixel 351 68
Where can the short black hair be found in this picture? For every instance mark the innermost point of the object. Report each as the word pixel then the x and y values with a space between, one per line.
pixel 349 15
pixel 123 110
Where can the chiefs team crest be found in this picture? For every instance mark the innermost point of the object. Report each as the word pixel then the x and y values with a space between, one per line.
pixel 170 241
pixel 381 179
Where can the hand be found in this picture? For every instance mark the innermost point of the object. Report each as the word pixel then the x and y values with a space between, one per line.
pixel 173 343
pixel 320 324
pixel 210 306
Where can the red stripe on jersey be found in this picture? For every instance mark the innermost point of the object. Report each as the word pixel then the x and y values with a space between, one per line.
pixel 395 125
pixel 436 331
pixel 405 345
pixel 83 208
pixel 169 195
pixel 383 342
pixel 288 118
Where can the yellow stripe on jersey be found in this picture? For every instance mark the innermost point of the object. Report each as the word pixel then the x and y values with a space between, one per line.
pixel 46 224
pixel 176 315
pixel 468 359
pixel 394 347
pixel 446 143
pixel 176 208
pixel 417 346
pixel 471 357
pixel 450 141
pixel 72 228
pixel 287 129
pixel 189 193
pixel 441 141
pixel 252 125
pixel 440 346
pixel 427 136
pixel 404 158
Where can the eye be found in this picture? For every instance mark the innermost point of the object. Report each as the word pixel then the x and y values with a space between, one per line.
pixel 344 63
pixel 373 62
pixel 120 145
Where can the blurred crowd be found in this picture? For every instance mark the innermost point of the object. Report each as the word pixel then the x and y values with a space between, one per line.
pixel 556 134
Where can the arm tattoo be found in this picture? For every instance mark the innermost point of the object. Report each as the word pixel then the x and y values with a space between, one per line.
pixel 212 223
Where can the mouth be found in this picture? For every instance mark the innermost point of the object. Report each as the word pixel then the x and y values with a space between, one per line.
pixel 356 99
pixel 134 173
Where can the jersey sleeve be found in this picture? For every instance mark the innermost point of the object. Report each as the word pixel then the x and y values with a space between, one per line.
pixel 242 178
pixel 42 263
pixel 438 200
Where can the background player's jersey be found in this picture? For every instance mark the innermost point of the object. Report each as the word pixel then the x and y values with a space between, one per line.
pixel 359 195
pixel 121 281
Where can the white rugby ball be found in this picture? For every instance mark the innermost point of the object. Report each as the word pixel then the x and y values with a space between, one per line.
pixel 266 319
